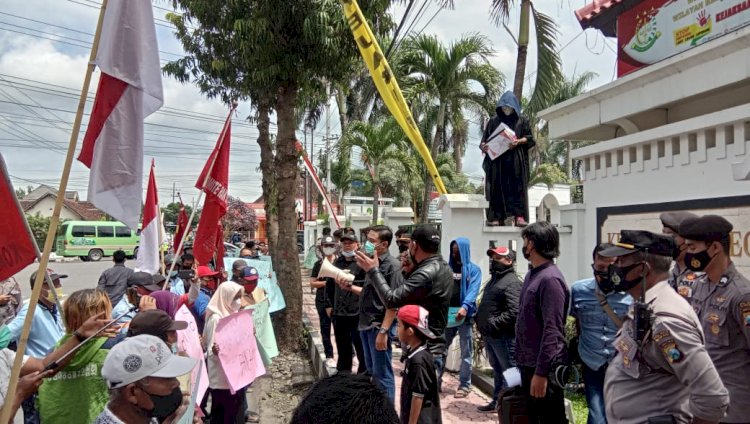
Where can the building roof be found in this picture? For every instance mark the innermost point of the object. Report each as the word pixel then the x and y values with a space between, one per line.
pixel 602 14
pixel 86 210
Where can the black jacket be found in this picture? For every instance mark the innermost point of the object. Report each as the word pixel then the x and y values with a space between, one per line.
pixel 430 286
pixel 498 309
pixel 346 303
pixel 371 309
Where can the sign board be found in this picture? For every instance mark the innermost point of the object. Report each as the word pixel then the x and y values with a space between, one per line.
pixel 646 217
pixel 654 30
pixel 188 341
pixel 239 356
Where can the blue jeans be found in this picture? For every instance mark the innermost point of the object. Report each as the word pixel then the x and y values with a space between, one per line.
pixel 593 381
pixel 500 353
pixel 379 362
pixel 467 351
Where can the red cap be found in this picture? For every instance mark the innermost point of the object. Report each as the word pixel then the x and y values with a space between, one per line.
pixel 205 271
pixel 500 250
pixel 416 316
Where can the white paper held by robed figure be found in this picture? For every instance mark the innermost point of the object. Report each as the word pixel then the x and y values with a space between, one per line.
pixel 499 141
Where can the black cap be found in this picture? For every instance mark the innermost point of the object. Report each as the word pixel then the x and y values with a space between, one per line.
pixel 672 220
pixel 52 276
pixel 349 235
pixel 632 241
pixel 706 228
pixel 327 240
pixel 427 236
pixel 143 279
pixel 154 322
pixel 158 279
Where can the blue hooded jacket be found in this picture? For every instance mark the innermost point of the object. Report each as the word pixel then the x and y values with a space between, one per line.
pixel 471 276
pixel 509 99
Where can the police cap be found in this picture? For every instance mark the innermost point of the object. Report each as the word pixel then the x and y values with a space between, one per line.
pixel 706 228
pixel 672 220
pixel 632 241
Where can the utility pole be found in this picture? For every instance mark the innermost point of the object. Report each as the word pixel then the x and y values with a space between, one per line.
pixel 173 190
pixel 328 138
pixel 307 178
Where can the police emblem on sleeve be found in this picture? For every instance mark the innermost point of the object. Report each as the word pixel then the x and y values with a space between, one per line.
pixel 745 310
pixel 670 350
pixel 132 363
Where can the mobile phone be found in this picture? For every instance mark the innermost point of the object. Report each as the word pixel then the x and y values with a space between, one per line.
pixel 186 274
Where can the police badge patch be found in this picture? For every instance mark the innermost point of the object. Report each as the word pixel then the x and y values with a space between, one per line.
pixel 745 311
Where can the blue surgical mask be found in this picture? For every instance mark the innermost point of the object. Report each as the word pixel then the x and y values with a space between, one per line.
pixel 347 254
pixel 369 247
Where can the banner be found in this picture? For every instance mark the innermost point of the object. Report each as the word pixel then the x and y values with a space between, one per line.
pixel 189 341
pixel 318 184
pixel 387 86
pixel 266 280
pixel 654 30
pixel 239 356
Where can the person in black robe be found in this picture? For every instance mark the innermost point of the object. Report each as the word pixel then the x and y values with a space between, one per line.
pixel 507 177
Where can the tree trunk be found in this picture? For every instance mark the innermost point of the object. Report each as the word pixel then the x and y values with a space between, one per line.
pixel 568 159
pixel 286 257
pixel 268 181
pixel 376 194
pixel 458 157
pixel 523 45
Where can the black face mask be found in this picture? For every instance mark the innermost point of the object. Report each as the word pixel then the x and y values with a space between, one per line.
pixel 402 248
pixel 498 267
pixel 697 261
pixel 617 277
pixel 603 281
pixel 164 406
pixel 526 254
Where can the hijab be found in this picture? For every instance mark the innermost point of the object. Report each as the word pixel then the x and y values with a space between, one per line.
pixel 222 302
pixel 167 302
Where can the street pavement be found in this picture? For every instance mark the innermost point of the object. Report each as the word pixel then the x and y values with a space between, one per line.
pixel 81 275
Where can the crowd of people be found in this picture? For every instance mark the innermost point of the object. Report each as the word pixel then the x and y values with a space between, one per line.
pixel 128 373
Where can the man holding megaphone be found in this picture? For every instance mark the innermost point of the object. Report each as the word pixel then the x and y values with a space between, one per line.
pixel 322 278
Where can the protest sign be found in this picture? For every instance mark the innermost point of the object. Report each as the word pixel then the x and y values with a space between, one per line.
pixel 264 334
pixel 499 141
pixel 238 350
pixel 266 280
pixel 193 382
pixel 189 341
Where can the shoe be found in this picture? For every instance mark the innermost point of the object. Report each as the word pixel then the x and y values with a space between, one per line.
pixel 520 222
pixel 330 363
pixel 509 222
pixel 490 407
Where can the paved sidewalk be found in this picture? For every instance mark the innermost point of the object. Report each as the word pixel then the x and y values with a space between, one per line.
pixel 454 410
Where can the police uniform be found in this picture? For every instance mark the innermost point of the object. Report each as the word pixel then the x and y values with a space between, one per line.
pixel 669 374
pixel 680 278
pixel 724 311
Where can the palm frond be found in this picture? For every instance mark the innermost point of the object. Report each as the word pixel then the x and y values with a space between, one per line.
pixel 549 69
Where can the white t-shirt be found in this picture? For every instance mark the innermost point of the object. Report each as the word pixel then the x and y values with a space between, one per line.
pixel 7 357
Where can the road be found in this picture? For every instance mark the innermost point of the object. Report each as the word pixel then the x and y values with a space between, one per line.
pixel 81 275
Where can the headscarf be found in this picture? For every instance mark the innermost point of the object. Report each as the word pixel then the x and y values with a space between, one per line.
pixel 167 302
pixel 222 302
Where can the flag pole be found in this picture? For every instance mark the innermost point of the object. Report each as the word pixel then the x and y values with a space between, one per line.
pixel 159 222
pixel 177 227
pixel 54 221
pixel 200 194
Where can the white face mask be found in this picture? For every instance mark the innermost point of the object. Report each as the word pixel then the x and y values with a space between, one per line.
pixel 347 254
pixel 328 251
pixel 236 305
pixel 507 110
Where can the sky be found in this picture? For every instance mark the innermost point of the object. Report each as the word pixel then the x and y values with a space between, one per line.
pixel 45 45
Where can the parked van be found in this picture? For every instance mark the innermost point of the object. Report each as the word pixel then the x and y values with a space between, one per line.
pixel 93 240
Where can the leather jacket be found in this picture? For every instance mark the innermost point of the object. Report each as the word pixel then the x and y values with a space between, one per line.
pixel 498 310
pixel 430 286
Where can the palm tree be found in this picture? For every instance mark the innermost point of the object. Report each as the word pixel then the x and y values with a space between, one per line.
pixel 378 142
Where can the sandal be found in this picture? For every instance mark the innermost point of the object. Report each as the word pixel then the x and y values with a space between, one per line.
pixel 252 417
pixel 493 223
pixel 461 393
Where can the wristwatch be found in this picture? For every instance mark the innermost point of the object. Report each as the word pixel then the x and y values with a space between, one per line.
pixel 382 330
pixel 78 336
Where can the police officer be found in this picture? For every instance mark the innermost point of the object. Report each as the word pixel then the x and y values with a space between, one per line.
pixel 661 372
pixel 721 298
pixel 681 278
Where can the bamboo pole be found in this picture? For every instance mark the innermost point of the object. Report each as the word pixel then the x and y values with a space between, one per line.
pixel 54 221
pixel 4 169
pixel 227 123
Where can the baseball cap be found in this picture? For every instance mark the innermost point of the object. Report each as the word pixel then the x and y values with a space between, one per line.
pixel 327 240
pixel 205 271
pixel 349 234
pixel 632 241
pixel 427 236
pixel 143 279
pixel 416 316
pixel 502 251
pixel 249 273
pixel 52 275
pixel 154 322
pixel 136 358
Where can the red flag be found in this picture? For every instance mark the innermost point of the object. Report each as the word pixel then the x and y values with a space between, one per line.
pixel 182 227
pixel 17 250
pixel 214 181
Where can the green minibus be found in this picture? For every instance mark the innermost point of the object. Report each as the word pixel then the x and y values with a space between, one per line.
pixel 93 240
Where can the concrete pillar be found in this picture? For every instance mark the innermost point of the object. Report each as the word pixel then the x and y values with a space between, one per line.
pixel 395 217
pixel 332 222
pixel 311 233
pixel 575 245
pixel 359 222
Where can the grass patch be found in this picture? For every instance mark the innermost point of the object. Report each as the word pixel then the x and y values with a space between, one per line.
pixel 580 410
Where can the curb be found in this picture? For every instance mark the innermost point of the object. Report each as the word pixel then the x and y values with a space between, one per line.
pixel 315 349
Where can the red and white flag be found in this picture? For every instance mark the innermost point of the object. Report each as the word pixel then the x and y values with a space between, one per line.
pixel 148 249
pixel 129 90
pixel 17 249
pixel 214 181
pixel 182 228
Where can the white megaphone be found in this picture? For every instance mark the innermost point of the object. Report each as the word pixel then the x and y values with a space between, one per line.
pixel 327 270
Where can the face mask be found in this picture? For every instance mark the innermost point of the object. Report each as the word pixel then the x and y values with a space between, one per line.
pixel 603 281
pixel 249 288
pixel 236 305
pixel 617 277
pixel 347 254
pixel 173 274
pixel 498 267
pixel 51 296
pixel 164 406
pixel 328 251
pixel 174 349
pixel 402 248
pixel 697 261
pixel 526 253
pixel 507 110
pixel 369 247
pixel 412 257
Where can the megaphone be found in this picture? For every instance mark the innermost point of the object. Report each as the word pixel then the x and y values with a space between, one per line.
pixel 327 270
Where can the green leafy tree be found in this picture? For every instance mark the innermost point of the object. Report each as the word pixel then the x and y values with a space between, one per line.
pixel 39 227
pixel 279 55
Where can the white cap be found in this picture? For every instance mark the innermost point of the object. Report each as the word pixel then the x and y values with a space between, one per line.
pixel 136 358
